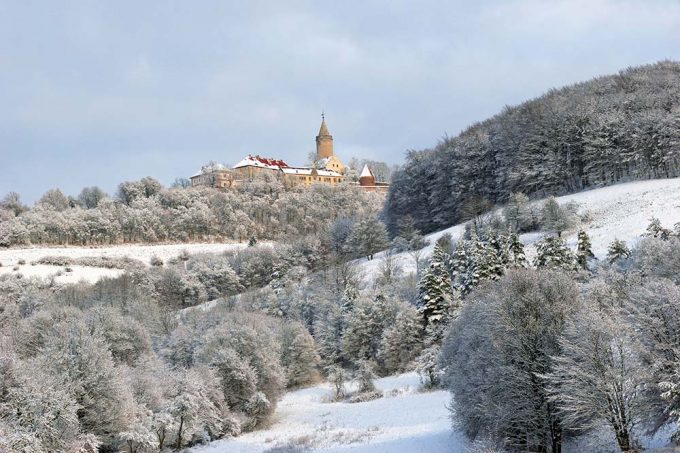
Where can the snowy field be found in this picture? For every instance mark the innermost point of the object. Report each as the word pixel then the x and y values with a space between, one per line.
pixel 405 420
pixel 11 257
pixel 621 211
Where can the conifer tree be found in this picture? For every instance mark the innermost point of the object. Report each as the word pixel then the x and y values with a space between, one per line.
pixel 458 265
pixel 584 250
pixel 516 255
pixel 350 295
pixel 402 341
pixel 487 258
pixel 552 252
pixel 656 230
pixel 434 288
pixel 617 250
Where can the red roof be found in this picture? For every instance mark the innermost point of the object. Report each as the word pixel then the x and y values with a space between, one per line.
pixel 269 161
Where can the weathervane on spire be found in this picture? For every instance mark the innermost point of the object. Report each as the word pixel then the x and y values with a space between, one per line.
pixel 323 116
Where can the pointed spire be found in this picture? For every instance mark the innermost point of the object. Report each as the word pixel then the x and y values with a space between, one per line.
pixel 366 172
pixel 323 130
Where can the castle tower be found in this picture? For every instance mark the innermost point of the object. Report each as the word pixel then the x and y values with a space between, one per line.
pixel 324 141
pixel 366 177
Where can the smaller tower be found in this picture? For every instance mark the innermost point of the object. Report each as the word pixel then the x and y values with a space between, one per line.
pixel 324 141
pixel 366 177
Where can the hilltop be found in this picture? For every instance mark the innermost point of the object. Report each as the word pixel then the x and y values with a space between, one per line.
pixel 611 129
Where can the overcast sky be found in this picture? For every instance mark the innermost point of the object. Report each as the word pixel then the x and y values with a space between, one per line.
pixel 95 93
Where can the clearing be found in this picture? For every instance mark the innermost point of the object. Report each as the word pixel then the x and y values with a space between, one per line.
pixel 10 258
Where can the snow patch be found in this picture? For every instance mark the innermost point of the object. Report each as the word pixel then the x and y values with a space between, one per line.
pixel 406 420
pixel 11 258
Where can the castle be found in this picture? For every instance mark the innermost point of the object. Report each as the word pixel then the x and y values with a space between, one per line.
pixel 327 169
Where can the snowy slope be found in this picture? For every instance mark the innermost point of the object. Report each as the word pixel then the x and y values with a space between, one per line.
pixel 409 421
pixel 621 211
pixel 10 258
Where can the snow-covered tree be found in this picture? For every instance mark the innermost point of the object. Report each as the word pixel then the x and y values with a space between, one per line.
pixel 365 377
pixel 361 338
pixel 600 377
pixel 328 333
pixel 401 342
pixel 337 377
pixel 552 252
pixel 504 340
pixel 40 410
pixel 192 408
pixel 299 357
pixel 82 361
pixel 461 268
pixel 515 251
pixel 656 230
pixel 369 236
pixel 555 217
pixel 517 213
pixel 584 250
pixel 434 289
pixel 428 367
pixel 617 250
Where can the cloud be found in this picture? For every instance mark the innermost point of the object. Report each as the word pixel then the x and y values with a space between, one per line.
pixel 88 89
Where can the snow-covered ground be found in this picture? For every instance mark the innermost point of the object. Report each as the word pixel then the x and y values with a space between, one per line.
pixel 9 258
pixel 405 420
pixel 77 273
pixel 621 211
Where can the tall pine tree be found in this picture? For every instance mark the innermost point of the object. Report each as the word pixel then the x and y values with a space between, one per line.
pixel 434 289
pixel 584 250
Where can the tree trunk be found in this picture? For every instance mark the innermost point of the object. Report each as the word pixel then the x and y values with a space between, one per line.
pixel 179 433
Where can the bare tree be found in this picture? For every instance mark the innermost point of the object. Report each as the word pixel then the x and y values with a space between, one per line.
pixel 599 377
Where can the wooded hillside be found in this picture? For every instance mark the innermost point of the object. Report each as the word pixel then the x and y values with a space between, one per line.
pixel 610 129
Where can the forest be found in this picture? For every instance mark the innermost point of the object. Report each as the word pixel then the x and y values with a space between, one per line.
pixel 610 129
pixel 144 211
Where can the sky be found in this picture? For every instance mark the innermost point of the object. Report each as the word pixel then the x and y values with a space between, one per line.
pixel 100 92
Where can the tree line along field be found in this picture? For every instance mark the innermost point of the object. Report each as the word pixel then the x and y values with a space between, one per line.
pixel 145 212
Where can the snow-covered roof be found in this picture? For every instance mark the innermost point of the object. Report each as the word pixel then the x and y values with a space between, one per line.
pixel 308 171
pixel 208 169
pixel 262 162
pixel 328 173
pixel 366 172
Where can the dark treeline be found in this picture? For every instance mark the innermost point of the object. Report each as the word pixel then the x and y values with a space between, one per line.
pixel 607 130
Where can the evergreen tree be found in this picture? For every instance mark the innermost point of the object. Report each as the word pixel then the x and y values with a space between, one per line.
pixel 656 230
pixel 516 255
pixel 617 250
pixel 488 258
pixel 460 263
pixel 252 242
pixel 350 295
pixel 298 355
pixel 402 341
pixel 583 250
pixel 328 333
pixel 434 289
pixel 552 252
